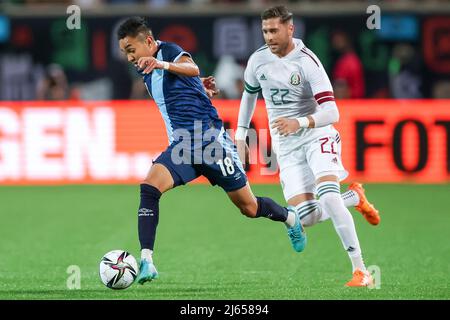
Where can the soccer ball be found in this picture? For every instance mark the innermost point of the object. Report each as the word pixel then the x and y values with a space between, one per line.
pixel 118 269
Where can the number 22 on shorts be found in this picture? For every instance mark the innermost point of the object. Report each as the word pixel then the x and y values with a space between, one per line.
pixel 327 148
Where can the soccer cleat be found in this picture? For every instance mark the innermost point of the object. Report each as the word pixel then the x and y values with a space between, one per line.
pixel 297 233
pixel 364 206
pixel 147 272
pixel 360 279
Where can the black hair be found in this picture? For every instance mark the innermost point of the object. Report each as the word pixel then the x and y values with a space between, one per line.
pixel 277 12
pixel 132 27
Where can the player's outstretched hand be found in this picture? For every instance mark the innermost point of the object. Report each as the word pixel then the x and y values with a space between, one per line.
pixel 209 83
pixel 286 126
pixel 243 151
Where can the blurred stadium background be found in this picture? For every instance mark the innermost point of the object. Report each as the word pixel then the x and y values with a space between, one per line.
pixel 78 132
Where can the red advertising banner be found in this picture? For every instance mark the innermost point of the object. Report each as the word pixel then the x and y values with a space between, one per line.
pixel 72 142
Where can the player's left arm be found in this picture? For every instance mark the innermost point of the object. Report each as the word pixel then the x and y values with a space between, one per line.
pixel 328 113
pixel 322 90
pixel 184 66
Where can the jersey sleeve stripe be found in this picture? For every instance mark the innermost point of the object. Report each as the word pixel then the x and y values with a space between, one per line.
pixel 305 52
pixel 251 89
pixel 323 94
pixel 184 53
pixel 325 99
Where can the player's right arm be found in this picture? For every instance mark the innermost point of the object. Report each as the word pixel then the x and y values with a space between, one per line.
pixel 246 110
pixel 184 66
pixel 176 61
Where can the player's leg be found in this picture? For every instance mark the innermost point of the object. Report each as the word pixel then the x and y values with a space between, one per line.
pixel 157 181
pixel 311 212
pixel 328 170
pixel 328 190
pixel 355 195
pixel 227 172
pixel 308 209
pixel 255 207
pixel 351 198
pixel 298 184
pixel 162 176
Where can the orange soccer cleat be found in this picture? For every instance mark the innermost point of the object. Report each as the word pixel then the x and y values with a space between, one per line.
pixel 360 279
pixel 364 206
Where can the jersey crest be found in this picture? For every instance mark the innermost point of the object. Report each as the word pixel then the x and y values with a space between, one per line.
pixel 295 78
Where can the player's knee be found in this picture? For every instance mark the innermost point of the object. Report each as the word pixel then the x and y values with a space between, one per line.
pixel 331 201
pixel 159 183
pixel 150 182
pixel 248 209
pixel 160 178
pixel 155 184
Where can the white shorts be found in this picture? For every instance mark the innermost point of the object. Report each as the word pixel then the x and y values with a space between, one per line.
pixel 300 168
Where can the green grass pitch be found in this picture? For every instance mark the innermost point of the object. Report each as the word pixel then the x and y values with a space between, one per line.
pixel 205 249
